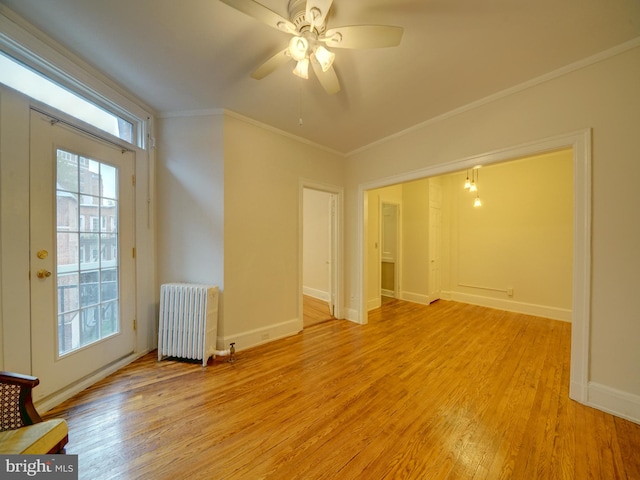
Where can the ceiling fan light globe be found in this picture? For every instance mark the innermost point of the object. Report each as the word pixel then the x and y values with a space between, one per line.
pixel 325 57
pixel 302 68
pixel 298 47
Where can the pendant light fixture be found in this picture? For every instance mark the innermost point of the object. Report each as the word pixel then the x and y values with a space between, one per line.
pixel 472 186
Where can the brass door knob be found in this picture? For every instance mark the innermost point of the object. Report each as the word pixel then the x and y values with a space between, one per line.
pixel 43 273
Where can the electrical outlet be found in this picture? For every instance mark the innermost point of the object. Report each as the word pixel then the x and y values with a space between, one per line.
pixel 510 291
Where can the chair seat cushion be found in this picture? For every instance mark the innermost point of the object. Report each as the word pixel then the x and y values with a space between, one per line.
pixel 39 438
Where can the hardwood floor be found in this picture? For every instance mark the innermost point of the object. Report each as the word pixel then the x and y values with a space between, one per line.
pixel 448 391
pixel 314 311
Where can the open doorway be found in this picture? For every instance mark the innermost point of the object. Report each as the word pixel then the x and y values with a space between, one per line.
pixel 389 250
pixel 578 313
pixel 319 243
pixel 499 237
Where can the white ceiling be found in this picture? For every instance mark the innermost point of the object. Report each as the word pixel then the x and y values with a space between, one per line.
pixel 195 55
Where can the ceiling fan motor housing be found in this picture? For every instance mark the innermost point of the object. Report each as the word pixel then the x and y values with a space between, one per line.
pixel 298 16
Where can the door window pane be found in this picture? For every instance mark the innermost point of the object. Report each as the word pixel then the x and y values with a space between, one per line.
pixel 87 251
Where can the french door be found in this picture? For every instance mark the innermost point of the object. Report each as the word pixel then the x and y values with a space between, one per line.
pixel 82 259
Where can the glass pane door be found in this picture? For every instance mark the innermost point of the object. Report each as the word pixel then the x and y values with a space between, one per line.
pixel 87 251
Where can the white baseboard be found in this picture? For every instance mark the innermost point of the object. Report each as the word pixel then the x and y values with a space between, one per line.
pixel 512 306
pixel 315 293
pixel 415 298
pixel 57 398
pixel 352 315
pixel 616 402
pixel 267 334
pixel 374 303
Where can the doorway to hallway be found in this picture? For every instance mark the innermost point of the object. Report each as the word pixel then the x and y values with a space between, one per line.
pixel 319 245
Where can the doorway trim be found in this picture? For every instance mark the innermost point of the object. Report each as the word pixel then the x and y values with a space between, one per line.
pixel 336 244
pixel 580 143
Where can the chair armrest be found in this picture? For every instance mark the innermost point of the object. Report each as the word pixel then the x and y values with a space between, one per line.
pixel 25 383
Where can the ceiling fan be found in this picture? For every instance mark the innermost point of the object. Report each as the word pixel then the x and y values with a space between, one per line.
pixel 310 38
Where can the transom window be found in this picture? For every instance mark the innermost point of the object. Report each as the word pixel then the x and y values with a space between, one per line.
pixel 17 76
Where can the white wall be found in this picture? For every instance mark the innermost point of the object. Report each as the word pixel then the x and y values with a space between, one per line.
pixel 316 243
pixel 415 241
pixel 263 258
pixel 15 313
pixel 603 96
pixel 229 210
pixel 190 184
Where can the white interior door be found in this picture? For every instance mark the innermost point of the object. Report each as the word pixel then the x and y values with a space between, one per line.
pixel 82 258
pixel 435 247
pixel 331 254
pixel 435 240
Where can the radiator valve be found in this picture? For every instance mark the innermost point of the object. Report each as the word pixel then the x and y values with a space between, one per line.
pixel 232 352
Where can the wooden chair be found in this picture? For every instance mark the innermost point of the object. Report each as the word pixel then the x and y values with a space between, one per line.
pixel 22 430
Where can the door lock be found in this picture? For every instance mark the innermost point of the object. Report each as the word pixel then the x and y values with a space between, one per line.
pixel 42 254
pixel 43 274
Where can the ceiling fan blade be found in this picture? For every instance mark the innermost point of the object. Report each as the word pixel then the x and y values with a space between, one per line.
pixel 262 13
pixel 271 64
pixel 328 79
pixel 317 11
pixel 363 36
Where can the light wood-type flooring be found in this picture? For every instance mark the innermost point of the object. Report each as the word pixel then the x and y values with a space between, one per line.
pixel 446 391
pixel 314 311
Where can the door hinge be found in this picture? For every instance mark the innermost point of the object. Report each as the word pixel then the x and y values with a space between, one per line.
pixel 133 252
pixel 135 325
pixel 133 180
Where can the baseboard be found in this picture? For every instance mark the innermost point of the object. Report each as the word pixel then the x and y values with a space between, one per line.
pixel 315 293
pixel 352 315
pixel 415 298
pixel 57 398
pixel 513 306
pixel 263 335
pixel 387 293
pixel 616 402
pixel 374 303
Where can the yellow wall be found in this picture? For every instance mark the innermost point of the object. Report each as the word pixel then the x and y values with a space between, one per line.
pixel 521 238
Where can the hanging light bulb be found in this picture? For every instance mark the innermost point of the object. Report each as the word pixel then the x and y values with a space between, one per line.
pixel 467 182
pixel 477 202
pixel 474 182
pixel 302 68
pixel 324 57
pixel 298 47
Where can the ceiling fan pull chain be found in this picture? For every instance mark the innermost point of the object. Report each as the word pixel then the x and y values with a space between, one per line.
pixel 300 103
